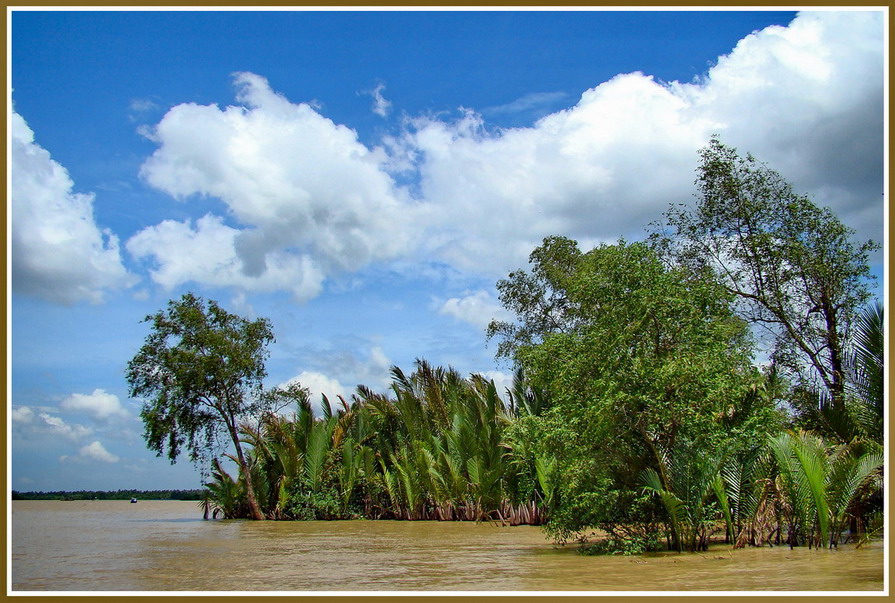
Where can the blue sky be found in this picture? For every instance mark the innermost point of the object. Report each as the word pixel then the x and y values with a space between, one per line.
pixel 363 179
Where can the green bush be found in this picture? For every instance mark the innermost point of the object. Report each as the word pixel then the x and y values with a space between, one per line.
pixel 306 505
pixel 631 545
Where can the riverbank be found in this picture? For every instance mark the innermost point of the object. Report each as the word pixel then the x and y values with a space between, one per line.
pixel 109 495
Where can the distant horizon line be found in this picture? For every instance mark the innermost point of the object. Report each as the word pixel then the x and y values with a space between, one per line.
pixel 84 491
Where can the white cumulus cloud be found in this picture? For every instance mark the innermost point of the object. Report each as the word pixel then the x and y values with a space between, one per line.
pixel 97 452
pixel 206 253
pixel 100 404
pixel 319 384
pixel 477 308
pixel 33 425
pixel 22 415
pixel 58 251
pixel 297 185
pixel 806 98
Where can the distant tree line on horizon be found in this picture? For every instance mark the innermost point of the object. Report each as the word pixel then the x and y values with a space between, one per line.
pixel 195 494
pixel 638 408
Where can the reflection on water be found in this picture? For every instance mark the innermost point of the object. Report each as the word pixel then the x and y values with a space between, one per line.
pixel 166 546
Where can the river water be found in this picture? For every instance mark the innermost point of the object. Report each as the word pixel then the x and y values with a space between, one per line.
pixel 167 546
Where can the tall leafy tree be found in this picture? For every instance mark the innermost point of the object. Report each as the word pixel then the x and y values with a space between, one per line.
pixel 793 266
pixel 643 363
pixel 200 374
pixel 539 299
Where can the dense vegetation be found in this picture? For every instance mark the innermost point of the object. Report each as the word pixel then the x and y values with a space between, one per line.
pixel 639 409
pixel 438 448
pixel 110 495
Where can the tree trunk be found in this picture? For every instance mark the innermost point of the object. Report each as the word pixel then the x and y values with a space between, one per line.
pixel 250 490
pixel 254 509
pixel 837 385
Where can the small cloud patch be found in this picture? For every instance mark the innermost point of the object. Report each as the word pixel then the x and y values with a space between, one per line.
pixel 100 405
pixel 94 451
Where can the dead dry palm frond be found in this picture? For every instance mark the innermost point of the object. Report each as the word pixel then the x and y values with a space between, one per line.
pixel 746 501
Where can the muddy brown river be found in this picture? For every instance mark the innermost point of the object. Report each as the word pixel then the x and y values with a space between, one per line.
pixel 166 546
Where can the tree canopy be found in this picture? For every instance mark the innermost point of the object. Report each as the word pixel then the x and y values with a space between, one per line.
pixel 792 265
pixel 200 373
pixel 641 361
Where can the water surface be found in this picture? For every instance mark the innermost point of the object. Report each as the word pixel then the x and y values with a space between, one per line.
pixel 166 546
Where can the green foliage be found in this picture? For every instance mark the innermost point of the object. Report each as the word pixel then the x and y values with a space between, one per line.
pixel 632 545
pixel 744 490
pixel 538 298
pixel 793 266
pixel 199 373
pixel 860 415
pixel 526 399
pixel 656 351
pixel 867 361
pixel 641 361
pixel 866 372
pixel 819 484
pixel 304 503
pixel 437 449
pixel 226 494
pixel 199 370
pixel 685 485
